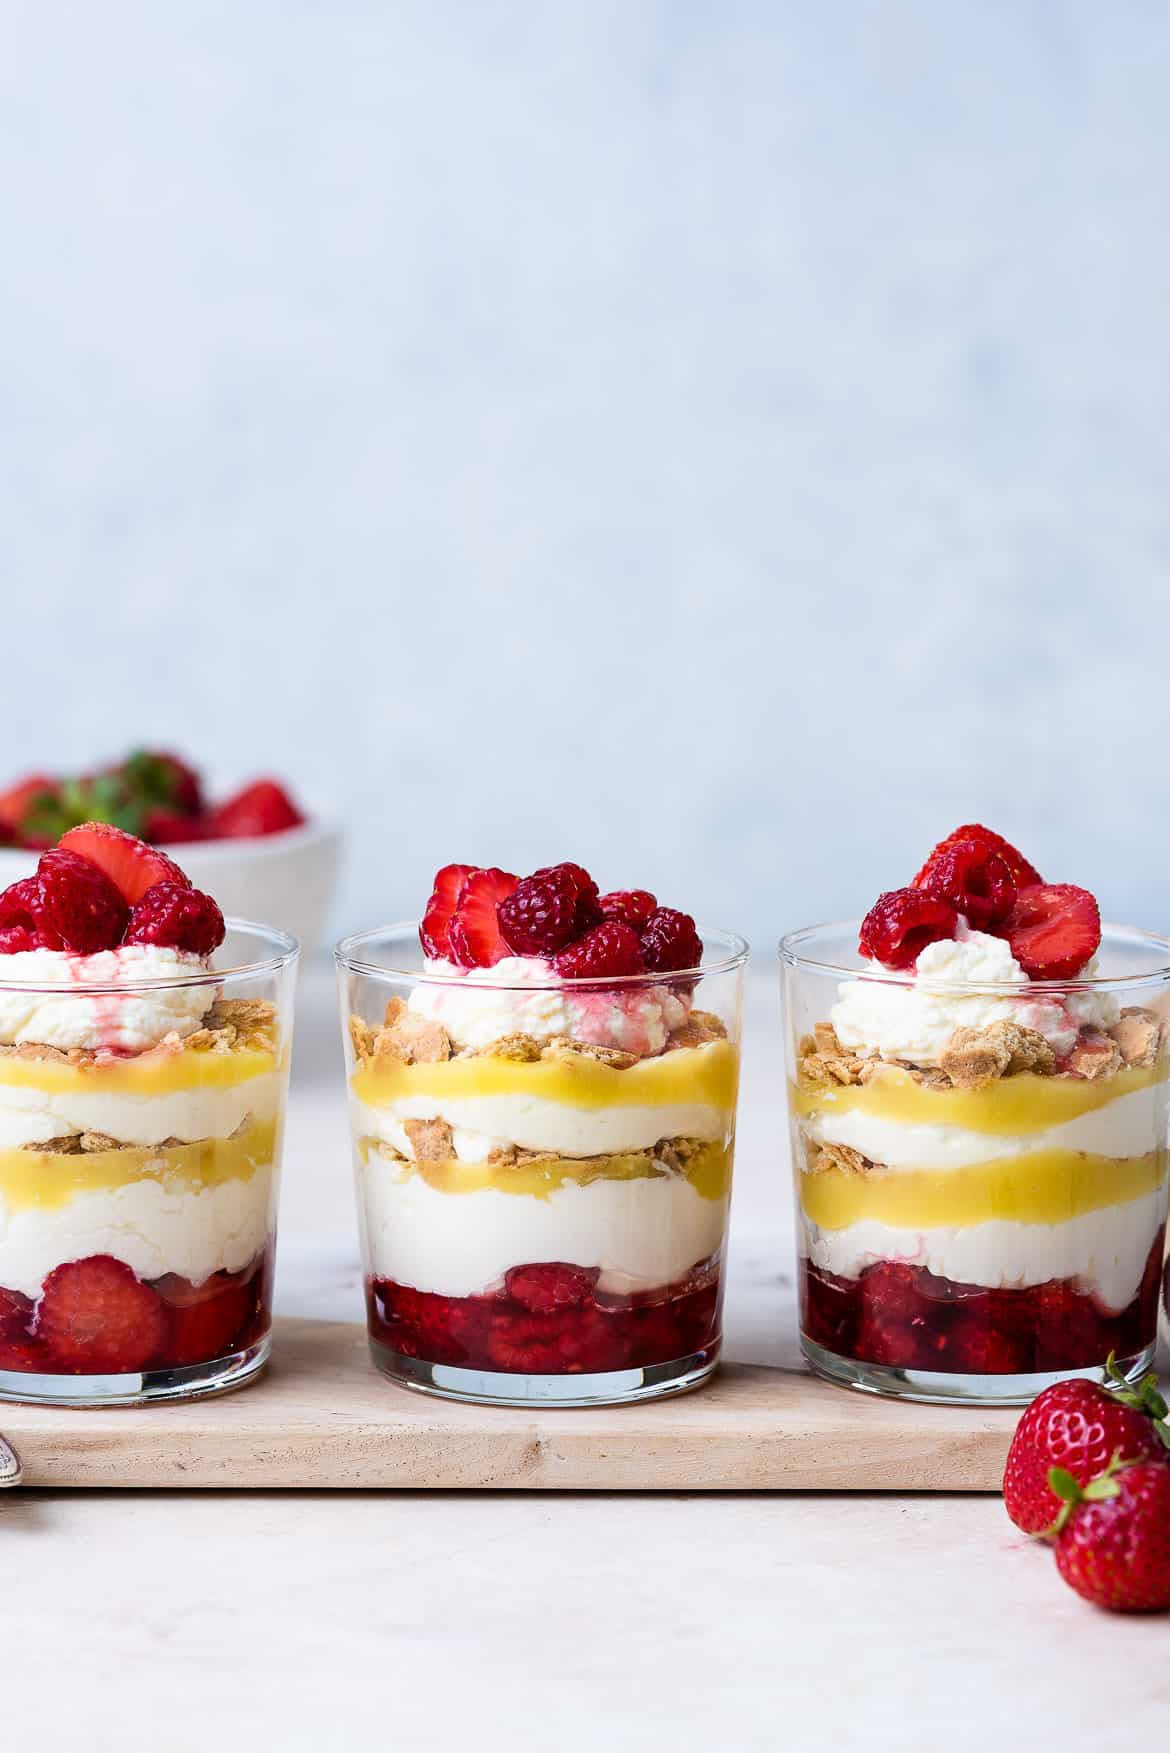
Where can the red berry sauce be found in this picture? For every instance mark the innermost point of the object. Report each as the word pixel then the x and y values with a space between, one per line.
pixel 907 1318
pixel 172 1323
pixel 550 1319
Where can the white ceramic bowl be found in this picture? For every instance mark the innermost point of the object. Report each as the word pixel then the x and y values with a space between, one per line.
pixel 279 879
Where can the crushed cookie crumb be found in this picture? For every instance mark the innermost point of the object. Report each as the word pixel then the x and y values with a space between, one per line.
pixel 414 1039
pixel 825 1036
pixel 68 1145
pixel 430 1140
pixel 1138 1034
pixel 361 1037
pixel 1094 1056
pixel 564 1047
pixel 822 1157
pixel 525 1049
pixel 95 1141
pixel 34 1050
pixel 974 1058
pixel 247 1022
pixel 395 1009
pixel 700 1027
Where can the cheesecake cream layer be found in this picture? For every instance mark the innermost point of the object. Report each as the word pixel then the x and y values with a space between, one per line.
pixel 1104 1251
pixel 640 1231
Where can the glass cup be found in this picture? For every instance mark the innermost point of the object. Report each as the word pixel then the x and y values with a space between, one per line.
pixel 978 1215
pixel 543 1172
pixel 138 1183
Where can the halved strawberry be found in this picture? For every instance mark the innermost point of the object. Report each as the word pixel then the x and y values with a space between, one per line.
pixel 15 802
pixel 474 932
pixel 205 1322
pixel 131 865
pixel 1053 930
pixel 97 1318
pixel 1022 871
pixel 436 921
pixel 264 807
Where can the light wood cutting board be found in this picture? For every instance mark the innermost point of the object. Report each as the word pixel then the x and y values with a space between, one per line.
pixel 322 1418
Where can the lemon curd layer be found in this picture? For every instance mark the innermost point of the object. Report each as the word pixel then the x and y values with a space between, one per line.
pixel 1012 1105
pixel 686 1075
pixel 157 1072
pixel 1045 1187
pixel 48 1180
pixel 708 1171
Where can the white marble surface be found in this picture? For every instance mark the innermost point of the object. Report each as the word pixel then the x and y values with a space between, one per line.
pixel 318 1621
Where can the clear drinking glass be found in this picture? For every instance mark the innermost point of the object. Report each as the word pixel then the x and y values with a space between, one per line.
pixel 138 1189
pixel 979 1228
pixel 543 1215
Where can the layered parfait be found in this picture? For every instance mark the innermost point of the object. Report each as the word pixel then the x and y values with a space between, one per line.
pixel 141 1098
pixel 980 1129
pixel 543 1116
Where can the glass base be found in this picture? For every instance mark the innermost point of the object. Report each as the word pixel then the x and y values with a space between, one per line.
pixel 194 1382
pixel 493 1388
pixel 937 1388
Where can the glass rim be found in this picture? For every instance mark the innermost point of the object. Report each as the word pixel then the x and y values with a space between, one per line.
pixel 286 952
pixel 789 945
pixel 346 956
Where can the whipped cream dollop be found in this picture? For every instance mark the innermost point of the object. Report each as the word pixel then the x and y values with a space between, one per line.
pixel 521 995
pixel 67 1015
pixel 914 1022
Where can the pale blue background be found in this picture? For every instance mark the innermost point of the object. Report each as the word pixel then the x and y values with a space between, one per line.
pixel 723 443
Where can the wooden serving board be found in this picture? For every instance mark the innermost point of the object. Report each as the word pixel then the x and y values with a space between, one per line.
pixel 323 1418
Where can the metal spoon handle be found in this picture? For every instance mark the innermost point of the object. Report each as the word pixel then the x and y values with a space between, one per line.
pixel 9 1465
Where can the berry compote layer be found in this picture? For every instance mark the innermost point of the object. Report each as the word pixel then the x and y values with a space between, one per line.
pixel 550 1319
pixel 139 1120
pixel 981 1132
pixel 544 1155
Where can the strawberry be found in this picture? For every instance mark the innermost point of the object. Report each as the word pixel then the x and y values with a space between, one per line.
pixel 436 921
pixel 1053 930
pixel 901 923
pixel 1077 1425
pixel 97 1318
pixel 1022 872
pixel 179 918
pixel 78 906
pixel 474 933
pixel 264 807
pixel 164 780
pixel 168 828
pixel 17 802
pixel 1113 1535
pixel 131 865
pixel 205 1321
pixel 15 1314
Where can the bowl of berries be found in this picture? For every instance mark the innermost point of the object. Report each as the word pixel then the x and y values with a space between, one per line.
pixel 258 850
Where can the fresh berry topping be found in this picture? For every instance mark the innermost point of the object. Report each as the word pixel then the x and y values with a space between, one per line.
pixel 20 909
pixel 16 938
pixel 541 1289
pixel 628 906
pixel 177 918
pixel 539 916
pixel 1022 871
pixel 167 828
pixel 588 912
pixel 436 921
pixel 131 866
pixel 972 878
pixel 163 779
pixel 264 807
pixel 670 941
pixel 1053 930
pixel 611 948
pixel 1113 1538
pixel 901 923
pixel 474 932
pixel 79 906
pixel 1079 1426
pixel 98 1318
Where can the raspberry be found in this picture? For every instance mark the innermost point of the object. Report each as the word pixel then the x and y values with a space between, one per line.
pixel 628 906
pixel 539 916
pixel 20 907
pixel 611 948
pixel 670 941
pixel 1053 930
pixel 901 923
pixel 264 807
pixel 180 919
pixel 975 879
pixel 131 865
pixel 588 912
pixel 436 921
pixel 78 904
pixel 15 938
pixel 541 1289
pixel 98 1318
pixel 1022 871
pixel 474 933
